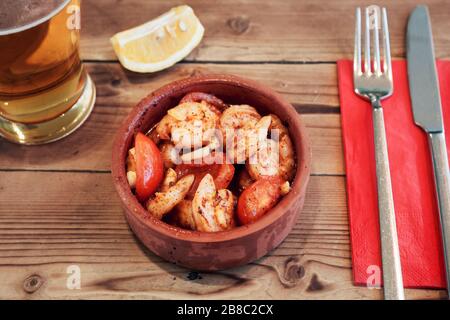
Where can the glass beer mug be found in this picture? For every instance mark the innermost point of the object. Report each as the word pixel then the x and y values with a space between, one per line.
pixel 45 93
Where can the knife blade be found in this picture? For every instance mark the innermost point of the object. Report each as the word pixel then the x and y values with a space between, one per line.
pixel 422 75
pixel 426 106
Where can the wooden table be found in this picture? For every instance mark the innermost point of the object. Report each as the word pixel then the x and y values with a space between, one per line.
pixel 58 206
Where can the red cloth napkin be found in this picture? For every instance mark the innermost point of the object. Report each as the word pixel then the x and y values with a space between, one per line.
pixel 412 180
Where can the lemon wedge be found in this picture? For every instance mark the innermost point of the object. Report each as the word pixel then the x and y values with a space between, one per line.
pixel 159 43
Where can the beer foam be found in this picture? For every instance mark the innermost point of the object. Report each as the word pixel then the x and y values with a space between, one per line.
pixel 18 14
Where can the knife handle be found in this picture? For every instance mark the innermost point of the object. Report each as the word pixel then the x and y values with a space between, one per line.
pixel 390 253
pixel 442 182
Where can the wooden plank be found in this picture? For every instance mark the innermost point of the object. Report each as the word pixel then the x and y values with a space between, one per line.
pixel 75 219
pixel 311 88
pixel 252 30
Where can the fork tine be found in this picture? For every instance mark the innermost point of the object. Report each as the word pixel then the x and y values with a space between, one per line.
pixel 387 49
pixel 376 45
pixel 357 55
pixel 367 66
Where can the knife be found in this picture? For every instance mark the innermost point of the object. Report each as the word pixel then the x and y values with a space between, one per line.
pixel 426 106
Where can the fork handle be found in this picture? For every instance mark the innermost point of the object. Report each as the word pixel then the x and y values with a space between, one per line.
pixel 390 254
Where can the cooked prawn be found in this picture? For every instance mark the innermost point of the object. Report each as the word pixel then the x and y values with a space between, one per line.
pixel 273 158
pixel 188 125
pixel 163 128
pixel 239 117
pixel 212 210
pixel 255 136
pixel 199 155
pixel 131 168
pixel 170 179
pixel 241 127
pixel 169 154
pixel 266 161
pixel 182 215
pixel 285 188
pixel 216 104
pixel 287 153
pixel 171 193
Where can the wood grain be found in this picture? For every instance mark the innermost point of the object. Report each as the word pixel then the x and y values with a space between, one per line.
pixel 252 30
pixel 58 206
pixel 310 88
pixel 76 219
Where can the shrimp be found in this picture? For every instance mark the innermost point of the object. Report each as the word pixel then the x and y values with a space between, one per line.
pixel 188 125
pixel 266 161
pixel 169 155
pixel 212 210
pixel 183 216
pixel 216 104
pixel 273 158
pixel 239 117
pixel 285 188
pixel 163 128
pixel 131 168
pixel 170 194
pixel 199 155
pixel 287 153
pixel 170 179
pixel 241 126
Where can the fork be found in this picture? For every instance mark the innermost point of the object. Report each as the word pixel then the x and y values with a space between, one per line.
pixel 373 82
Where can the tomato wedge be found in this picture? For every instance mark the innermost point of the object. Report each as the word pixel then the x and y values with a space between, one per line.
pixel 221 173
pixel 258 198
pixel 149 167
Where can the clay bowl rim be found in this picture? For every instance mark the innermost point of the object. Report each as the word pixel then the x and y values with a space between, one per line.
pixel 129 127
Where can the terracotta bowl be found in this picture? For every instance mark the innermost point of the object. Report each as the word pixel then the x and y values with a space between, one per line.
pixel 221 250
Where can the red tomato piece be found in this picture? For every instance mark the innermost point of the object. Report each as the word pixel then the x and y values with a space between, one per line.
pixel 258 198
pixel 149 167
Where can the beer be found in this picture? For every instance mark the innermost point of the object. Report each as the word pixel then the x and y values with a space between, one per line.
pixel 44 91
